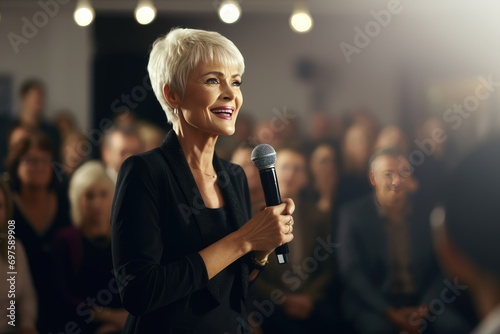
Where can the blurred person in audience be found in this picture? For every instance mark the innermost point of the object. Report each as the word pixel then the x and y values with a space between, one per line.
pixel 40 211
pixel 16 133
pixel 392 136
pixel 65 123
pixel 323 211
pixel 320 125
pixel 82 254
pixel 32 95
pixel 118 145
pixel 362 116
pixel 151 135
pixel 467 232
pixel 25 311
pixel 75 150
pixel 304 308
pixel 242 156
pixel 125 119
pixel 356 150
pixel 386 257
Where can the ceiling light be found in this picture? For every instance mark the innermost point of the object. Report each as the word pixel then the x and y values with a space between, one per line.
pixel 145 12
pixel 84 13
pixel 229 11
pixel 301 20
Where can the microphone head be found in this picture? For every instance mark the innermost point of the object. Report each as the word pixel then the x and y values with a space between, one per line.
pixel 263 156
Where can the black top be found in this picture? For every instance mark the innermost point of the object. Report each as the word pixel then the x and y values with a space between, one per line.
pixel 38 248
pixel 159 225
pixel 230 296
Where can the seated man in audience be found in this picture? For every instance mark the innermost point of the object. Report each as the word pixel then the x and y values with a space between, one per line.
pixel 118 145
pixel 386 256
pixel 468 232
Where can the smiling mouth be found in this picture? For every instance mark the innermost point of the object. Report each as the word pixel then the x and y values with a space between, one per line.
pixel 224 113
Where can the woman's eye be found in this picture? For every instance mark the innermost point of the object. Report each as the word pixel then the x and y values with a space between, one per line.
pixel 212 81
pixel 237 83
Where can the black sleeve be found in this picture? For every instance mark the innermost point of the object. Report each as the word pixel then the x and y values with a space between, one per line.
pixel 145 284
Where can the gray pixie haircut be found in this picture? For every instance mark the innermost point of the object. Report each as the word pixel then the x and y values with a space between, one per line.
pixel 383 152
pixel 176 54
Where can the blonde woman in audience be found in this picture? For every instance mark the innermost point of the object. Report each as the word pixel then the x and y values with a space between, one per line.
pixel 25 300
pixel 82 254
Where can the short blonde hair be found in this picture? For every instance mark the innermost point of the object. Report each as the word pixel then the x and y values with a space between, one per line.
pixel 86 176
pixel 176 54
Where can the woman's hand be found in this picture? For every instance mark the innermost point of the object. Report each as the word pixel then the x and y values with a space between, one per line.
pixel 270 228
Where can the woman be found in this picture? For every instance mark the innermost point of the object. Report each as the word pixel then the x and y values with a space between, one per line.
pixel 184 246
pixel 82 254
pixel 25 300
pixel 40 211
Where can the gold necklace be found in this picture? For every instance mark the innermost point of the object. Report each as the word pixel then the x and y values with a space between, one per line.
pixel 211 175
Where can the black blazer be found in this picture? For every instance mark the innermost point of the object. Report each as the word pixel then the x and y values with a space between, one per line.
pixel 159 223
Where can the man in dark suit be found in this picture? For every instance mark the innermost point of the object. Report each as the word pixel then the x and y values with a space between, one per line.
pixel 386 256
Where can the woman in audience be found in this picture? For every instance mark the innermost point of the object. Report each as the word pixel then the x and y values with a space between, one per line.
pixel 40 212
pixel 82 255
pixel 25 300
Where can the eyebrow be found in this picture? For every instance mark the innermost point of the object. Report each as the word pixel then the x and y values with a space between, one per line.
pixel 220 74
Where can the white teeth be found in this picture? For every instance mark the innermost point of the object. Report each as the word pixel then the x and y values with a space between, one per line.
pixel 222 112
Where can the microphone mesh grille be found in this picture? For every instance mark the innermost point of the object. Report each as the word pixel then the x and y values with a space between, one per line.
pixel 263 156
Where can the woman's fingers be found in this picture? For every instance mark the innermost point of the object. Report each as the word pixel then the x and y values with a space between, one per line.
pixel 290 206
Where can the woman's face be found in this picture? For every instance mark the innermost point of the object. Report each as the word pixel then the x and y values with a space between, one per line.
pixel 35 168
pixel 324 165
pixel 212 98
pixel 95 204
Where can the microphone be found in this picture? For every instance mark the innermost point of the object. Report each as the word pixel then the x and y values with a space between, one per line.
pixel 264 158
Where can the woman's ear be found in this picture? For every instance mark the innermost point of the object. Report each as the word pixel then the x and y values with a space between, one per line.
pixel 172 98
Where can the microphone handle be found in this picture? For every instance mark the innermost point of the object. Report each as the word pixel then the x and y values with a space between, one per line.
pixel 272 195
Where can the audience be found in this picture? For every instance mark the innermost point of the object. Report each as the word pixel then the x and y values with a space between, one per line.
pixel 467 232
pixel 82 254
pixel 118 145
pixel 40 211
pixel 386 256
pixel 25 311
